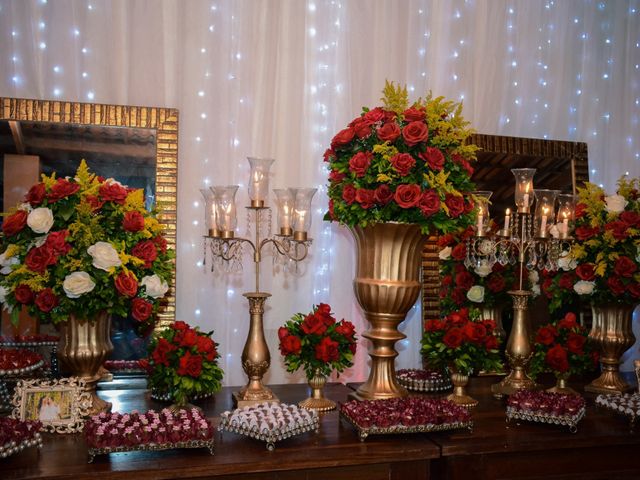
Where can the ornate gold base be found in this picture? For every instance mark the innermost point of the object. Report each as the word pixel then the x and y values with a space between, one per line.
pixel 379 391
pixel 513 383
pixel 318 404
pixel 463 400
pixel 459 395
pixel 97 404
pixel 241 399
pixel 608 382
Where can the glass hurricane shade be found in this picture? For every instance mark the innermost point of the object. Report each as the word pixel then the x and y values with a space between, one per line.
pixel 210 211
pixel 482 219
pixel 545 211
pixel 566 214
pixel 302 208
pixel 285 201
pixel 259 180
pixel 226 207
pixel 524 188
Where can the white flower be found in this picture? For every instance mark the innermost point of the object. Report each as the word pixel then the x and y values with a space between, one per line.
pixel 584 288
pixel 104 256
pixel 534 277
pixel 638 255
pixel 3 294
pixel 566 262
pixel 476 294
pixel 445 253
pixel 554 231
pixel 483 268
pixel 155 286
pixel 77 283
pixel 6 262
pixel 25 206
pixel 615 203
pixel 40 220
pixel 535 289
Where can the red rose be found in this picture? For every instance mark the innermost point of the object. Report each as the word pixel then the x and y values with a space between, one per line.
pixel 189 338
pixel 568 322
pixel 332 213
pixel 616 286
pixel 557 359
pixel 491 342
pixel 434 325
pixel 342 137
pixel 95 202
pixel 383 194
pixel 36 194
pixel 324 310
pixel 434 158
pixel 206 347
pixel 360 162
pixel 447 280
pixel 389 132
pixel 414 114
pixel 464 280
pixel 575 343
pixel 546 286
pixel 290 345
pixel 365 197
pixel 407 195
pixel 180 325
pixel 586 272
pixel 349 194
pixel 455 204
pixel 460 160
pixel 23 294
pixel 546 335
pixel 336 176
pixel 581 209
pixel 375 115
pixel 39 258
pixel 313 325
pixel 585 232
pixel 625 267
pixel 458 296
pixel 329 155
pixel 46 300
pixel 161 243
pixel 56 241
pixel 496 283
pixel 190 365
pixel 566 281
pixel 327 350
pixel 141 309
pixel 145 250
pixel 429 203
pixel 453 338
pixel 133 221
pixel 634 289
pixel 489 324
pixel 632 219
pixel 402 163
pixel 161 352
pixel 14 223
pixel 618 229
pixel 282 332
pixel 459 251
pixel 459 317
pixel 126 284
pixel 62 189
pixel 415 132
pixel 113 192
pixel 362 127
pixel 346 329
pixel 445 240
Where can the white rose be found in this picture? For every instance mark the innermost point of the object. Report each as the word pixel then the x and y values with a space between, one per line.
pixel 77 283
pixel 584 288
pixel 483 268
pixel 566 262
pixel 3 294
pixel 104 256
pixel 155 286
pixel 535 289
pixel 476 294
pixel 6 263
pixel 534 277
pixel 445 253
pixel 40 219
pixel 615 203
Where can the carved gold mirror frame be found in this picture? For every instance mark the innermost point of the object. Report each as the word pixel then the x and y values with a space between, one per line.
pixel 560 165
pixel 164 122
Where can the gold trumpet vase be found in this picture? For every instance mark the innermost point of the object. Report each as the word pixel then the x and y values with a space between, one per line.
pixel 317 401
pixel 611 332
pixel 85 343
pixel 386 285
pixel 459 395
pixel 562 386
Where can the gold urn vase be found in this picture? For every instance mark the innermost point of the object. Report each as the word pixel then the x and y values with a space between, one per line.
pixel 611 332
pixel 317 401
pixel 84 346
pixel 386 285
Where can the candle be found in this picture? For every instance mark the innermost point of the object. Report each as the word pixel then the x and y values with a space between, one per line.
pixel 286 216
pixel 256 180
pixel 507 221
pixel 525 197
pixel 565 225
pixel 299 220
pixel 543 223
pixel 479 225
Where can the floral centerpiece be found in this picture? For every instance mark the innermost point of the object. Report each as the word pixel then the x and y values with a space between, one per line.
pixel 16 435
pixel 319 344
pixel 81 246
pixel 562 348
pixel 403 163
pixel 182 363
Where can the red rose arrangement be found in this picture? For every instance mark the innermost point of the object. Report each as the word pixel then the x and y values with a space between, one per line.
pixel 81 246
pixel 462 342
pixel 317 342
pixel 182 363
pixel 562 348
pixel 403 163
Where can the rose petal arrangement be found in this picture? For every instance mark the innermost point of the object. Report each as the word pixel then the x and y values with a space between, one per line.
pixel 122 365
pixel 83 245
pixel 546 407
pixel 29 340
pixel 423 380
pixel 15 435
pixel 15 361
pixel 403 163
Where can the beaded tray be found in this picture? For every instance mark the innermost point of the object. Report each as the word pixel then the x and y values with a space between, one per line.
pixel 404 415
pixel 627 404
pixel 151 447
pixel 419 380
pixel 10 428
pixel 270 422
pixel 545 407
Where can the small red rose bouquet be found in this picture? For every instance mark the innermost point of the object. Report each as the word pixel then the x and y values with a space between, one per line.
pixel 182 363
pixel 317 342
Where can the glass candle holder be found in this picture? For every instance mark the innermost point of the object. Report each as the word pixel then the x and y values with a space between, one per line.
pixel 210 213
pixel 524 188
pixel 566 214
pixel 285 200
pixel 482 220
pixel 226 215
pixel 259 180
pixel 545 211
pixel 302 212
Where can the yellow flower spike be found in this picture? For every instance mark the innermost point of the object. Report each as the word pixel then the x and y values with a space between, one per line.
pixel 385 150
pixel 383 178
pixel 134 201
pixel 395 98
pixel 11 251
pixel 83 176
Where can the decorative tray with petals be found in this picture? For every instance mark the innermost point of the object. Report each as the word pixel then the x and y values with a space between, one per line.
pixel 18 361
pixel 270 422
pixel 16 435
pixel 627 404
pixel 150 431
pixel 546 407
pixel 419 380
pixel 404 415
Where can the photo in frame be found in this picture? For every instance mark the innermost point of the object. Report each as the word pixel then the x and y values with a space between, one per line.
pixel 60 405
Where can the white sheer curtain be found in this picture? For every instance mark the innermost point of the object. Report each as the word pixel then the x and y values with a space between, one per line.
pixel 279 77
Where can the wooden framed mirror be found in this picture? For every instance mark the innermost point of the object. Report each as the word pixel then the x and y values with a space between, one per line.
pixel 137 146
pixel 560 165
